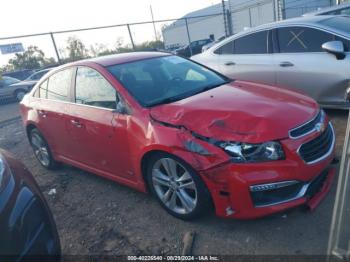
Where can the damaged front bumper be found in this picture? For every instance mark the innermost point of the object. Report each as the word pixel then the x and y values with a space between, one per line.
pixel 247 190
pixel 251 191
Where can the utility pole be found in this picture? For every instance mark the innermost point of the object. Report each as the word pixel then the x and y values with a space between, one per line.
pixel 131 39
pixel 55 47
pixel 188 36
pixel 225 20
pixel 154 25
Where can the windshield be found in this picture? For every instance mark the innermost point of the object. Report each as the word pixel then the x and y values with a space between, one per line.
pixel 37 76
pixel 339 22
pixel 165 79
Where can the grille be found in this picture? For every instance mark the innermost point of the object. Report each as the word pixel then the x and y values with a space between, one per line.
pixel 307 127
pixel 317 184
pixel 276 196
pixel 318 148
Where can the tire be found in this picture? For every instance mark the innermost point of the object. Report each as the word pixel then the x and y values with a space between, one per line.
pixel 42 150
pixel 19 94
pixel 177 187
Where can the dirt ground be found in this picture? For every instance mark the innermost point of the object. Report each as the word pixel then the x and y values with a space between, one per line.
pixel 97 216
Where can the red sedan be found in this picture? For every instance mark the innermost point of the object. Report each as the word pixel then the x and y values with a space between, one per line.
pixel 195 139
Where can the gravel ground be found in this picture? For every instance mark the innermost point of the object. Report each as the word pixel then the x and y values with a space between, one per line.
pixel 97 216
pixel 8 111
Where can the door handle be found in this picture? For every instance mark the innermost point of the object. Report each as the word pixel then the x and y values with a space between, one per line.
pixel 76 123
pixel 230 63
pixel 286 64
pixel 42 113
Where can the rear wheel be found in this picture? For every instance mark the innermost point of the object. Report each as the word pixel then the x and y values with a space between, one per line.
pixel 177 187
pixel 42 150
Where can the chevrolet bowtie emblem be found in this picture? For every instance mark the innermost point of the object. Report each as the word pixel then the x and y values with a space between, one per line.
pixel 320 127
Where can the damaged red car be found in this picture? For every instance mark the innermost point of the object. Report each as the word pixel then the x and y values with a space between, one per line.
pixel 162 124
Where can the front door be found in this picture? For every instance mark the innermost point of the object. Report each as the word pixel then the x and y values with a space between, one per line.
pixel 301 64
pixel 98 137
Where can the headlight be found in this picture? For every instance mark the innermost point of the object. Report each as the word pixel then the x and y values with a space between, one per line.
pixel 5 174
pixel 242 152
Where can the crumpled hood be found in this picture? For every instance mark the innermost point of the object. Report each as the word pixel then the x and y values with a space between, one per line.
pixel 240 111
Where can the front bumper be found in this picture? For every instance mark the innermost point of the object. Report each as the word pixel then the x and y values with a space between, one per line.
pixel 244 191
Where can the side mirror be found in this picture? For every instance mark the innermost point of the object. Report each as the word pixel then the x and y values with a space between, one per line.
pixel 335 48
pixel 121 107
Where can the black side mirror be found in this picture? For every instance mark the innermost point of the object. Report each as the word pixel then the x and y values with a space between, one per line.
pixel 121 107
pixel 336 48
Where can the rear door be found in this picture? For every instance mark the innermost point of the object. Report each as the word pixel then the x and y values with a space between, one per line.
pixel 97 135
pixel 301 64
pixel 54 93
pixel 248 58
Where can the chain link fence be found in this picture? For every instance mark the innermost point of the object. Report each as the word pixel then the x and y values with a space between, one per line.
pixel 185 36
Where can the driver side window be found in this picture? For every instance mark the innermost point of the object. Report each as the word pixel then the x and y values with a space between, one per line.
pixel 92 89
pixel 301 39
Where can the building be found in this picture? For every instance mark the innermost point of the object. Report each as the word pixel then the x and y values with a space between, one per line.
pixel 239 14
pixel 206 25
pixel 294 9
pixel 250 13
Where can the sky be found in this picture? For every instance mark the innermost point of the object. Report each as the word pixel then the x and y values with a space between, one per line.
pixel 37 16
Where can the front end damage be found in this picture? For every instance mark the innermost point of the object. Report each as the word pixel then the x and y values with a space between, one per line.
pixel 251 190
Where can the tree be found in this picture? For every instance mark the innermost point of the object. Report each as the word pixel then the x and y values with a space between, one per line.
pixel 75 49
pixel 6 68
pixel 100 50
pixel 150 46
pixel 32 58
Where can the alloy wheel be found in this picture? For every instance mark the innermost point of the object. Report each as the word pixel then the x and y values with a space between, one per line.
pixel 174 186
pixel 40 149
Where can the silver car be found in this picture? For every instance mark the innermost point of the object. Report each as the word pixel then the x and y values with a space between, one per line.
pixel 13 88
pixel 6 88
pixel 343 9
pixel 308 54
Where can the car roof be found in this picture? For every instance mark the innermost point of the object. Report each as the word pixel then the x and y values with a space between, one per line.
pixel 328 9
pixel 312 21
pixel 120 58
pixel 303 20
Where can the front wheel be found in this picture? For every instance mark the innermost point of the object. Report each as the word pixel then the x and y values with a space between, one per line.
pixel 177 187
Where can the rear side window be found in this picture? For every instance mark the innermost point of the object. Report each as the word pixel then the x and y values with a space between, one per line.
pixel 42 90
pixel 255 43
pixel 301 39
pixel 226 49
pixel 92 89
pixel 59 85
